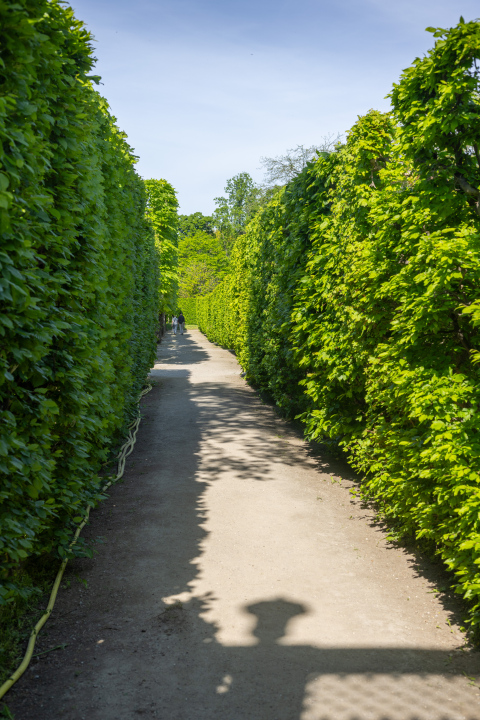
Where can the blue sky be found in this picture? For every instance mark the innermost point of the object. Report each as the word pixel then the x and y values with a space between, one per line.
pixel 205 88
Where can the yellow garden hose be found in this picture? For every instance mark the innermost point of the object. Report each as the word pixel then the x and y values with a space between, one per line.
pixel 125 451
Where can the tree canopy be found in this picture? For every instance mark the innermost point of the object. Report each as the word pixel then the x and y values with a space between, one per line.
pixel 236 209
pixel 202 263
pixel 189 224
pixel 161 210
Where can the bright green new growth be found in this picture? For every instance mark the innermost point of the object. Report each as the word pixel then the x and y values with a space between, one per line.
pixel 79 282
pixel 162 207
pixel 353 298
pixel 202 264
pixel 189 308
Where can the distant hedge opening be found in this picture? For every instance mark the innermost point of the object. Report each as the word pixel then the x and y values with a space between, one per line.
pixel 189 308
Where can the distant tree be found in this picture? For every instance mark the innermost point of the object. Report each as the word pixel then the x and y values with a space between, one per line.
pixel 264 195
pixel 234 211
pixel 283 168
pixel 189 224
pixel 202 263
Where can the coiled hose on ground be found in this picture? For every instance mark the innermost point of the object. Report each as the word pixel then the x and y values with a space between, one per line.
pixel 125 451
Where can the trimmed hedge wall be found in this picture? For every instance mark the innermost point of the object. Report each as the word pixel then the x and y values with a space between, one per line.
pixel 189 308
pixel 78 282
pixel 354 299
pixel 162 211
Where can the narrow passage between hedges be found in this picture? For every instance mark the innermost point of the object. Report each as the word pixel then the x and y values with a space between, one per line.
pixel 238 579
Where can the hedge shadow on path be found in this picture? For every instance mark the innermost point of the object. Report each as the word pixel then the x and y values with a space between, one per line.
pixel 132 652
pixel 332 461
pixel 149 532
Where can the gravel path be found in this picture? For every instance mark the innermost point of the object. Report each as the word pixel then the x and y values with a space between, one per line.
pixel 239 579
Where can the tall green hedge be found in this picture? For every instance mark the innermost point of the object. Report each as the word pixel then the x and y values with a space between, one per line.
pixel 162 211
pixel 78 281
pixel 189 308
pixel 354 299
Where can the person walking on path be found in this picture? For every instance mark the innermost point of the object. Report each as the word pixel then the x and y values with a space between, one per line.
pixel 181 323
pixel 174 324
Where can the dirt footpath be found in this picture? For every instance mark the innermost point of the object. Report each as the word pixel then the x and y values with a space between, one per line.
pixel 238 579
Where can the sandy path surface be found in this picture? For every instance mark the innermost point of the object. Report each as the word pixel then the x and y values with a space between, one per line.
pixel 238 579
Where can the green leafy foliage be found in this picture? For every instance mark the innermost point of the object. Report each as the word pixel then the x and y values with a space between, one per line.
pixel 189 224
pixel 162 207
pixel 78 282
pixel 243 199
pixel 206 242
pixel 437 102
pixel 188 306
pixel 202 263
pixel 251 309
pixel 353 297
